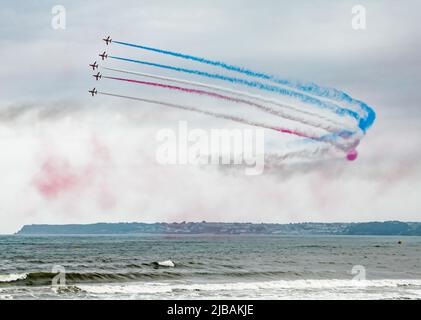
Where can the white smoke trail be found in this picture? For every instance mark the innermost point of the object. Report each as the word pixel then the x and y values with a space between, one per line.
pixel 338 142
pixel 282 110
pixel 209 113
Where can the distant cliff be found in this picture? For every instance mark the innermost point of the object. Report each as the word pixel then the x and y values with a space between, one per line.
pixel 369 228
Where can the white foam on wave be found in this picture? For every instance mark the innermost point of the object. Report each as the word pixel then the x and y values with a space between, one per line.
pixel 128 288
pixel 12 277
pixel 282 289
pixel 167 263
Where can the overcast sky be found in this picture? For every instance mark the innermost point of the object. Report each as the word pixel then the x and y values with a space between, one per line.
pixel 48 121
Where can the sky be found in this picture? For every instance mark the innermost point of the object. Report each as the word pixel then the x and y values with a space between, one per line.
pixel 106 147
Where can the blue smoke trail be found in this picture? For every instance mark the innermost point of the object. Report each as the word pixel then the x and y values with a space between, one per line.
pixel 312 88
pixel 304 98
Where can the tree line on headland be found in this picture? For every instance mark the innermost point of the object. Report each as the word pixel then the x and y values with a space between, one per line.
pixel 306 228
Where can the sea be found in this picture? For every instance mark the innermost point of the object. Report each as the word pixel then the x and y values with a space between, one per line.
pixel 209 267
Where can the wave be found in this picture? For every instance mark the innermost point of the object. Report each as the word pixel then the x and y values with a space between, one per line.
pixel 166 263
pixel 164 284
pixel 5 278
pixel 278 289
pixel 45 278
pixel 157 264
pixel 238 278
pixel 279 286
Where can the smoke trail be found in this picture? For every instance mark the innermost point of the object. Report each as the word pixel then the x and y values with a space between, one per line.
pixel 303 153
pixel 332 126
pixel 322 148
pixel 302 97
pixel 333 139
pixel 308 87
pixel 209 113
pixel 214 95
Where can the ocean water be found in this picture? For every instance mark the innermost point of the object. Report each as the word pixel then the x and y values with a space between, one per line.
pixel 209 267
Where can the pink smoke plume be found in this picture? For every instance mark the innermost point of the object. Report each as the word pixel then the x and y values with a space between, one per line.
pixel 57 176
